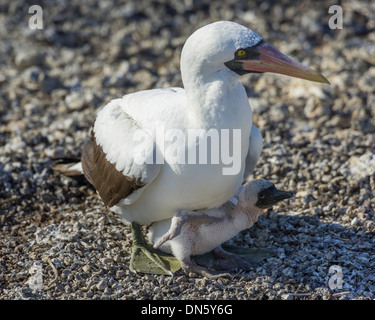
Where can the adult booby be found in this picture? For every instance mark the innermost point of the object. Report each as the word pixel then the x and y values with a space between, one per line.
pixel 191 233
pixel 213 100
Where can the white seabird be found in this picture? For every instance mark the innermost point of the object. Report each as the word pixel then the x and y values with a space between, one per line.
pixel 213 100
pixel 191 233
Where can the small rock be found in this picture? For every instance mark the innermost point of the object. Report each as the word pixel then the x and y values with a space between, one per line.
pixel 86 268
pixel 287 296
pixel 57 262
pixel 102 285
pixel 26 58
pixel 288 272
pixel 355 222
pixel 33 77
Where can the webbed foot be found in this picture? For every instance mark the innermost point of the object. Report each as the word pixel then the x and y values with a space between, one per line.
pixel 190 266
pixel 234 258
pixel 231 261
pixel 146 259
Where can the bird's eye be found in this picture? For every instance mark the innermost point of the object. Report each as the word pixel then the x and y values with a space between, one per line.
pixel 241 53
pixel 261 195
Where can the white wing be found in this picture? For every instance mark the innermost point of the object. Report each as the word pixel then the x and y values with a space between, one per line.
pixel 123 142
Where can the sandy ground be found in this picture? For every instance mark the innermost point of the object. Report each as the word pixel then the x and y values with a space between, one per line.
pixel 58 241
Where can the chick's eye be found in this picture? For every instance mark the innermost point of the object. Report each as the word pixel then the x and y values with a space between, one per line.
pixel 241 53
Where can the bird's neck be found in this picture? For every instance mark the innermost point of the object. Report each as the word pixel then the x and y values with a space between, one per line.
pixel 215 99
pixel 245 217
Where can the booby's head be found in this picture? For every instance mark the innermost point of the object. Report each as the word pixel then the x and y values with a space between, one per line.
pixel 225 44
pixel 261 194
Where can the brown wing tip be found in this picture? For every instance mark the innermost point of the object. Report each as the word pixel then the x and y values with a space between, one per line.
pixel 111 184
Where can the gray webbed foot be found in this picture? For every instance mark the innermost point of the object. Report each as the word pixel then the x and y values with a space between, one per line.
pixel 239 258
pixel 190 266
pixel 231 261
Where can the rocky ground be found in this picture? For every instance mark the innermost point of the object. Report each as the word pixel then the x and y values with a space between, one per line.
pixel 319 143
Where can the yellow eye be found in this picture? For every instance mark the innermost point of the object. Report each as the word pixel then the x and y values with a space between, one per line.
pixel 241 53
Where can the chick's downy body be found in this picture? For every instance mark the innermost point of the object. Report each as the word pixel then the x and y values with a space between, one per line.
pixel 191 233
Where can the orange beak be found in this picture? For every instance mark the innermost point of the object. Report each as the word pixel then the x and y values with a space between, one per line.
pixel 272 60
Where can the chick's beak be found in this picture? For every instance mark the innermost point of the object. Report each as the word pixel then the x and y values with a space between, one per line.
pixel 272 60
pixel 271 196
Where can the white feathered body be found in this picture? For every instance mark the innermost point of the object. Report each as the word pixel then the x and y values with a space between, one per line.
pixel 175 186
pixel 213 99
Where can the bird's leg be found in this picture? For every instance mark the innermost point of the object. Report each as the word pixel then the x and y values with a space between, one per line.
pixel 231 261
pixel 188 265
pixel 178 221
pixel 146 259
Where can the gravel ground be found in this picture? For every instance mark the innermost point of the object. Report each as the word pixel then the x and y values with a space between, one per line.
pixel 319 143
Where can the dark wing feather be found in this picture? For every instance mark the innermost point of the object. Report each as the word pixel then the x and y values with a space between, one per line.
pixel 110 183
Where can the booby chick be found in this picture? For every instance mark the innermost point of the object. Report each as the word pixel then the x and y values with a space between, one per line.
pixel 131 159
pixel 198 232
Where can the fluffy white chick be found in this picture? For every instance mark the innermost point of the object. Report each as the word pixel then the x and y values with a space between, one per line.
pixel 191 233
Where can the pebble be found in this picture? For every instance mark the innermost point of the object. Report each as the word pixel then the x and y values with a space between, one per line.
pixel 26 58
pixel 102 285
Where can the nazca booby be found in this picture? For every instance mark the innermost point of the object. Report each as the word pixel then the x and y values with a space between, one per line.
pixel 213 98
pixel 191 233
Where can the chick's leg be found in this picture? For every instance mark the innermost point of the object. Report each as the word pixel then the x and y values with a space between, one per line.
pixel 179 220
